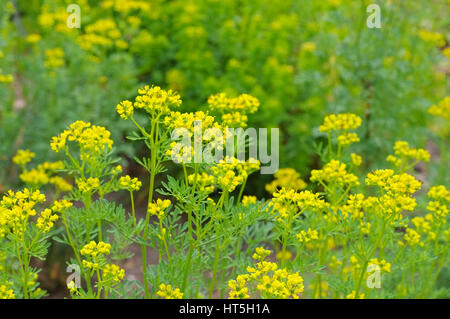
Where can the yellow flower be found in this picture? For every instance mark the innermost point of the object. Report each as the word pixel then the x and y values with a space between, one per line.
pixel 306 236
pixel 334 172
pixel 352 295
pixel 289 203
pixel 155 100
pixel 16 208
pixel 389 181
pixel 23 157
pixel 248 200
pixel 92 139
pixel 33 38
pixel 128 183
pixel 88 185
pixel 270 281
pixel 439 192
pixel 34 177
pixel 158 208
pixel 442 109
pixel 167 292
pixel 356 159
pixel 288 178
pixel 125 109
pixel 286 256
pixel 244 103
pixel 404 154
pixel 54 58
pixel 204 182
pixel 384 266
pixel 93 249
pixel 231 172
pixel 411 237
pixel 345 139
pixel 6 292
pixel 46 220
pixel 434 38
pixel 113 273
pixel 343 121
pixel 60 183
pixel 238 290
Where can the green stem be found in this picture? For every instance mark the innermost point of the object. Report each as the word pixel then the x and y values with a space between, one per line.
pixel 241 191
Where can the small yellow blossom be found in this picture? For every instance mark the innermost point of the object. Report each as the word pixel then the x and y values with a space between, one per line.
pixel 23 157
pixel 167 292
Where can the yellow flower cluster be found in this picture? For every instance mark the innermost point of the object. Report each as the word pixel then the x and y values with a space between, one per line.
pixel 435 38
pixel 230 172
pixel 334 172
pixel 88 185
pixel 340 122
pixel 238 289
pixel 404 154
pixel 234 119
pixel 42 175
pixel 423 226
pixel 6 78
pixel 6 292
pixel 130 184
pixel 54 58
pixel 91 139
pixel 23 157
pixel 439 206
pixel 248 200
pixel 55 20
pixel 34 177
pixel 234 110
pixel 442 109
pixel 288 203
pixel 46 220
pixel 60 183
pixel 113 273
pixel 167 292
pixel 126 6
pixel 356 159
pixel 204 182
pixel 102 33
pixel 288 178
pixel 345 139
pixel 15 210
pixel 306 236
pixel 383 264
pixel 158 208
pixel 186 120
pixel 352 295
pixel 353 207
pixel 243 103
pixel 412 238
pixel 155 100
pixel 125 109
pixel 396 193
pixel 391 182
pixel 95 254
pixel 33 38
pixel 93 249
pixel 270 281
